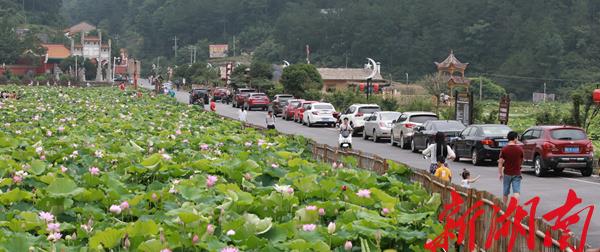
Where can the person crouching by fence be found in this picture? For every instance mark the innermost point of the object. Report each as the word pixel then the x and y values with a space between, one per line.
pixel 270 120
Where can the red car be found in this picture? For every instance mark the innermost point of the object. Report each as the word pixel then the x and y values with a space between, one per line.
pixel 299 111
pixel 257 100
pixel 290 109
pixel 556 148
pixel 219 93
pixel 240 96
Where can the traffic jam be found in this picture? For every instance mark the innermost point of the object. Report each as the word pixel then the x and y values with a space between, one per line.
pixel 547 148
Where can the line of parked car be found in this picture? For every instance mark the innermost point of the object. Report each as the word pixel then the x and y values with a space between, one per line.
pixel 546 148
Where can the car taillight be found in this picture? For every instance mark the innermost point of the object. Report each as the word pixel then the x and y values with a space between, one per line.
pixel 315 113
pixel 359 114
pixel 550 146
pixel 487 142
pixel 590 148
pixel 409 125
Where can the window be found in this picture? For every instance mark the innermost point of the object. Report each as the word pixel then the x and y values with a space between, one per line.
pixel 495 130
pixel 368 110
pixel 568 134
pixel 402 118
pixel 466 131
pixel 323 106
pixel 449 126
pixel 351 110
pixel 537 134
pixel 527 135
pixel 389 116
pixel 422 118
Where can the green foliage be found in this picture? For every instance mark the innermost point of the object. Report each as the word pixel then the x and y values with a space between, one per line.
pixel 419 105
pixel 266 187
pixel 491 90
pixel 300 79
pixel 549 115
pixel 68 64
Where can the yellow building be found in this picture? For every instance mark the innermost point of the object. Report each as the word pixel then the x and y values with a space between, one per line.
pixel 342 78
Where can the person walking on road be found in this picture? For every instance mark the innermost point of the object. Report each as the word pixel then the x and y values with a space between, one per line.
pixel 270 120
pixel 439 150
pixel 213 105
pixel 242 115
pixel 509 167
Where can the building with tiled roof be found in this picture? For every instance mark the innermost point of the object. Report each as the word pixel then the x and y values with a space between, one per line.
pixel 344 78
pixel 55 53
pixel 78 28
pixel 453 71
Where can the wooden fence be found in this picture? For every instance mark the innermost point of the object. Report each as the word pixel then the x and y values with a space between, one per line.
pixel 470 197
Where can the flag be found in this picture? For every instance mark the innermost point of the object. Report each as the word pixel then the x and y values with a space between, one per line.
pixel 307 54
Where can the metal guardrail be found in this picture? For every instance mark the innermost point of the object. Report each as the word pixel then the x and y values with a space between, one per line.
pixel 483 223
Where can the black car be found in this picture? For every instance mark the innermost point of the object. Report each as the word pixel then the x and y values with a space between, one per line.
pixel 279 102
pixel 199 93
pixel 481 142
pixel 425 134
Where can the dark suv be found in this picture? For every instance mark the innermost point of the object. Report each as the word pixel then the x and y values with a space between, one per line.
pixel 280 102
pixel 199 93
pixel 556 148
pixel 240 96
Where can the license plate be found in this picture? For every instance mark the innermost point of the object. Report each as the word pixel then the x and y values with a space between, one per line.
pixel 327 119
pixel 502 144
pixel 572 150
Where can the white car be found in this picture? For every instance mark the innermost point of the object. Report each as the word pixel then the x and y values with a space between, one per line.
pixel 356 115
pixel 319 113
pixel 379 125
pixel 403 128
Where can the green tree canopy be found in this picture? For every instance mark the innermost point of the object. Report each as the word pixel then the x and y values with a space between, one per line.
pixel 298 79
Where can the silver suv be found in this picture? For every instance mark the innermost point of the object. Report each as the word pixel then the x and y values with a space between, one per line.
pixel 403 127
pixel 356 115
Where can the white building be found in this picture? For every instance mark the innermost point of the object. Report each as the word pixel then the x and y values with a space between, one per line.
pixel 95 49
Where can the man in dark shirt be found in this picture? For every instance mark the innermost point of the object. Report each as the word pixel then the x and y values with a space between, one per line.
pixel 509 166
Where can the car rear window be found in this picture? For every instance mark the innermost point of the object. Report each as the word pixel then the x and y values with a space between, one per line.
pixel 368 110
pixel 322 106
pixel 422 118
pixel 294 103
pixel 495 130
pixel 389 116
pixel 448 126
pixel 568 134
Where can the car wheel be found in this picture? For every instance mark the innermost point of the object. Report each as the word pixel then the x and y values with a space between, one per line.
pixel 538 167
pixel 308 122
pixel 457 157
pixel 402 141
pixel 475 159
pixel 364 136
pixel 375 136
pixel 392 143
pixel 587 171
pixel 413 147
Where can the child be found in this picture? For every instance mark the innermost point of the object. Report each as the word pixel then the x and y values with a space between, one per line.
pixel 442 171
pixel 467 181
pixel 242 115
pixel 270 120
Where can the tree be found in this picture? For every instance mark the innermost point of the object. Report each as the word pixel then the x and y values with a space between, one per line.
pixel 300 79
pixel 10 45
pixel 491 90
pixel 435 85
pixel 68 64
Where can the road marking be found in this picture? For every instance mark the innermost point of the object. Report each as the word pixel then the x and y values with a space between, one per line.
pixel 584 181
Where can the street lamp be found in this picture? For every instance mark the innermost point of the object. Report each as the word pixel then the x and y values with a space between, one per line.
pixel 114 68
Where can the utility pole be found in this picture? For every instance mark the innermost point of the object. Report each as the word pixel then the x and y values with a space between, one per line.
pixel 233 45
pixel 175 47
pixel 191 55
pixel 480 88
pixel 544 92
pixel 406 78
pixel 195 53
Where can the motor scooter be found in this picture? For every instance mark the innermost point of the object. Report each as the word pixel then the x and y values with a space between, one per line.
pixel 345 140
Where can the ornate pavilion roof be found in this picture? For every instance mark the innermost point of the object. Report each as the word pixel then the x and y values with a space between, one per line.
pixel 451 62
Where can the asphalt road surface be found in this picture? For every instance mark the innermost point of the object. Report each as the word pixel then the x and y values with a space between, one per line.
pixel 552 190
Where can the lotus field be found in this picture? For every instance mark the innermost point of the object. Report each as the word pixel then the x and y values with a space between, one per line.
pixel 100 169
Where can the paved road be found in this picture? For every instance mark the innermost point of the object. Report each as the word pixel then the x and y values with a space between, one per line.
pixel 551 190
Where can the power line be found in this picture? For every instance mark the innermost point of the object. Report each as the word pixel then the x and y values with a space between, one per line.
pixel 532 78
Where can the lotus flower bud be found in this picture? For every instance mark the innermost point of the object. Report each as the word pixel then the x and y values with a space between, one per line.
pixel 348 246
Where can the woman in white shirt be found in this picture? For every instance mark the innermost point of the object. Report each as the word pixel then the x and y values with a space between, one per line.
pixel 438 149
pixel 243 115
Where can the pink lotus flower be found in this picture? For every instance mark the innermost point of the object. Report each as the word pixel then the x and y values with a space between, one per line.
pixel 115 209
pixel 39 150
pixel 210 229
pixel 248 144
pixel 331 228
pixel 340 166
pixel 311 208
pixel 195 239
pixel 99 154
pixel 321 211
pixel 204 146
pixel 185 141
pixel 166 156
pixel 248 176
pixel 154 196
pixel 46 216
pixel 49 133
pixel 260 142
pixel 178 132
pixel 124 205
pixel 385 211
pixel 94 170
pixel 229 249
pixel 211 180
pixel 63 169
pixel 364 193
pixel 334 165
pixel 42 157
pixel 53 237
pixel 165 250
pixel 230 232
pixel 348 246
pixel 17 179
pixel 290 190
pixel 309 227
pixel 53 227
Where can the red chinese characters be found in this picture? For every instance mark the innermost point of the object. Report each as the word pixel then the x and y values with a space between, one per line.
pixel 507 223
